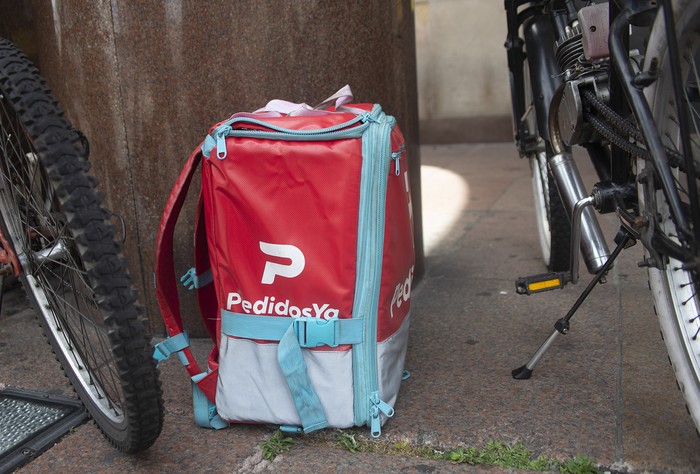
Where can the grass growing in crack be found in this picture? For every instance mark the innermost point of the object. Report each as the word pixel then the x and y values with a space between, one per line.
pixel 517 456
pixel 275 445
pixel 577 464
pixel 348 441
pixel 495 453
pixel 498 453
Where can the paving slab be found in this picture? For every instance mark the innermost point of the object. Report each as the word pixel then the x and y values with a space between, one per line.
pixel 605 390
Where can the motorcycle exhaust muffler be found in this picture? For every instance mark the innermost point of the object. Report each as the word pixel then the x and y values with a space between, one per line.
pixel 563 167
pixel 593 246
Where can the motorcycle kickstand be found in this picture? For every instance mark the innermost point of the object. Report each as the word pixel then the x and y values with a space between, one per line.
pixel 623 239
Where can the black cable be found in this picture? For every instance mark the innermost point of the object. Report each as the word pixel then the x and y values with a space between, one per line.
pixel 603 128
pixel 675 159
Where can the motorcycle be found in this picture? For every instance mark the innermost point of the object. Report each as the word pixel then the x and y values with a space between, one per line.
pixel 621 80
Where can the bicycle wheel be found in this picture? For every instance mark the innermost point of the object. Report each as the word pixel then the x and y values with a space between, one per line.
pixel 676 291
pixel 72 269
pixel 553 224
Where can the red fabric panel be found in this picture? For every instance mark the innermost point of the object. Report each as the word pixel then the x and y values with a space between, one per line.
pixel 300 194
pixel 399 253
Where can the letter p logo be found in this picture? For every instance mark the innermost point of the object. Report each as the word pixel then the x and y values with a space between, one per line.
pixel 272 269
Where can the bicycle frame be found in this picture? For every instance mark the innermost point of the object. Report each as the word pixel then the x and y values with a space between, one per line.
pixel 626 95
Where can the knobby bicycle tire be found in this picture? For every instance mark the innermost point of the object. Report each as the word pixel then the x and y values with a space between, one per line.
pixel 73 269
pixel 676 291
pixel 553 223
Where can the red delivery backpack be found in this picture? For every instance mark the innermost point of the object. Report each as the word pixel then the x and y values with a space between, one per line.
pixel 304 258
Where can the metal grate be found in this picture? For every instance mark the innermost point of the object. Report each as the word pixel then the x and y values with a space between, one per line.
pixel 31 422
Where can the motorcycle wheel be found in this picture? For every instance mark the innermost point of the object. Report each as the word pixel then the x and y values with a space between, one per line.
pixel 676 291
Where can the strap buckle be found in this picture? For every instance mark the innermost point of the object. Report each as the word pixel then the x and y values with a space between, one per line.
pixel 315 332
pixel 171 345
pixel 191 280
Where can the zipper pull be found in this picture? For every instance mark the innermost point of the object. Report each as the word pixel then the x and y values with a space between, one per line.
pixel 366 117
pixel 221 134
pixel 378 406
pixel 376 425
pixel 396 156
pixel 220 147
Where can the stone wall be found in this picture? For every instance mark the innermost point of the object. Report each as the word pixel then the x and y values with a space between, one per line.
pixel 145 80
pixel 463 85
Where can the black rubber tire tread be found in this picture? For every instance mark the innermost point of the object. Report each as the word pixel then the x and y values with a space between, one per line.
pixel 560 230
pixel 557 216
pixel 558 223
pixel 60 152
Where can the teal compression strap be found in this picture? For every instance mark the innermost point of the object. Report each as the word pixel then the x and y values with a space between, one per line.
pixel 310 332
pixel 205 414
pixel 293 334
pixel 173 344
pixel 291 361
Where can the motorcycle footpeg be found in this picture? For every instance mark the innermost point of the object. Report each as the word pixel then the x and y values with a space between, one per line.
pixel 538 283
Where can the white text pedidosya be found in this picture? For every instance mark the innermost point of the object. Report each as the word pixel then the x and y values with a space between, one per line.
pixel 402 292
pixel 269 305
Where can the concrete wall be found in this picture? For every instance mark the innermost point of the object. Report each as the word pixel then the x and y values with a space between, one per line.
pixel 462 71
pixel 145 81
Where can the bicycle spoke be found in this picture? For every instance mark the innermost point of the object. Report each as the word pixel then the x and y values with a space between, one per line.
pixel 86 341
pixel 93 352
pixel 113 386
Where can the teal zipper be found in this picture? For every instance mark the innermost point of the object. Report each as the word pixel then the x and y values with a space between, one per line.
pixel 378 406
pixel 350 129
pixel 376 155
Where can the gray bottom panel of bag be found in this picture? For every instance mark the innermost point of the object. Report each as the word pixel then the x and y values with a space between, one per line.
pixel 252 388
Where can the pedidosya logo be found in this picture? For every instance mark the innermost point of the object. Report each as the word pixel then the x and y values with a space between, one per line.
pixel 273 269
pixel 270 305
pixel 402 292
